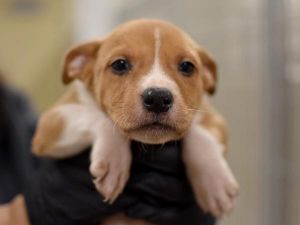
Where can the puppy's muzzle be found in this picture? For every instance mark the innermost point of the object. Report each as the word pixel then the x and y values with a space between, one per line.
pixel 157 100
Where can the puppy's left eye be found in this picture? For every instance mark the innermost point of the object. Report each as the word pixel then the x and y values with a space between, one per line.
pixel 186 68
pixel 120 66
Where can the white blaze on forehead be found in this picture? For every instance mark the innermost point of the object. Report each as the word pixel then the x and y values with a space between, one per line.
pixel 157 76
pixel 157 43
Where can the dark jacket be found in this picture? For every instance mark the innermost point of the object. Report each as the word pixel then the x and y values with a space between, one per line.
pixel 17 123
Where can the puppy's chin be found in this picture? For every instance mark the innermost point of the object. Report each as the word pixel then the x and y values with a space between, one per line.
pixel 154 136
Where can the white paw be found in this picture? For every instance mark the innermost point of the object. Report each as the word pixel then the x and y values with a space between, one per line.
pixel 212 181
pixel 216 190
pixel 110 178
pixel 110 168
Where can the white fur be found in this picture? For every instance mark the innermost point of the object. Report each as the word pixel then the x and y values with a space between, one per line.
pixel 212 180
pixel 80 120
pixel 157 76
pixel 84 96
pixel 79 130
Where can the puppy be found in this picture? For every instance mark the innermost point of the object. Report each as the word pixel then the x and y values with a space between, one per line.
pixel 146 81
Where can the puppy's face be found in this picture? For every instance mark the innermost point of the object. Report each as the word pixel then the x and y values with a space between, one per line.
pixel 148 76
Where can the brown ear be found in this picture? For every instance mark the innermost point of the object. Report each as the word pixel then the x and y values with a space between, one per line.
pixel 210 71
pixel 79 61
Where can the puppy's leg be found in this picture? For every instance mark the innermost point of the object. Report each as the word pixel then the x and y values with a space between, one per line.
pixel 68 129
pixel 213 183
pixel 110 161
pixel 65 130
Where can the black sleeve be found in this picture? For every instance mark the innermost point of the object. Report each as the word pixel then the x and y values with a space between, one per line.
pixel 16 128
pixel 158 191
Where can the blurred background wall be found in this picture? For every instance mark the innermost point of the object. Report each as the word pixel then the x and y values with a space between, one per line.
pixel 257 46
pixel 33 37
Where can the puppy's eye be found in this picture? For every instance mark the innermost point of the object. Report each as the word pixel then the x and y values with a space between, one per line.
pixel 120 66
pixel 186 68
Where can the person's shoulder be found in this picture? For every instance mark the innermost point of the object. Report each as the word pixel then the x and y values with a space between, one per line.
pixel 19 106
pixel 16 97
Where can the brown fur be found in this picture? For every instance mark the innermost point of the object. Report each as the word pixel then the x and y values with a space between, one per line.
pixel 214 123
pixel 48 132
pixel 118 94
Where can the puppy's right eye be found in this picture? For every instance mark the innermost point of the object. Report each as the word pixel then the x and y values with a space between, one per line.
pixel 120 66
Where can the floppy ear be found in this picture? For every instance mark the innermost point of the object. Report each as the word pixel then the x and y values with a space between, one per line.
pixel 210 71
pixel 79 61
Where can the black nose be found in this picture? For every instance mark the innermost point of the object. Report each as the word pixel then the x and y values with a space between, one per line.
pixel 157 100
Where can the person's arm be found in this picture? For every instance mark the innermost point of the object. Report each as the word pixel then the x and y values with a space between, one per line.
pixel 14 212
pixel 15 159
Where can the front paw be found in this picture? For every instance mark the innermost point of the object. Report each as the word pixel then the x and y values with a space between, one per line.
pixel 110 177
pixel 216 191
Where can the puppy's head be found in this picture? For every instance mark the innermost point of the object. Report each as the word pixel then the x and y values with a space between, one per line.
pixel 147 75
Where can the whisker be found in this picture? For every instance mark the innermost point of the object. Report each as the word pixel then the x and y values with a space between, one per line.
pixel 196 110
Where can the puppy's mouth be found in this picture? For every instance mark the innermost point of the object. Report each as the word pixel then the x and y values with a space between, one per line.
pixel 153 122
pixel 155 126
pixel 154 132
